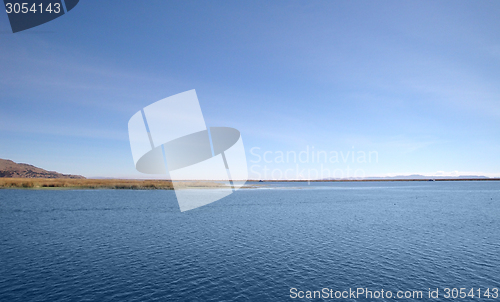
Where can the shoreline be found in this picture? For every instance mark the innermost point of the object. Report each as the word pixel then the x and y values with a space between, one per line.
pixel 383 179
pixel 149 184
pixel 95 184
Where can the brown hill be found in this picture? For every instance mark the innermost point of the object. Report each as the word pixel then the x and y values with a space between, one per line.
pixel 9 168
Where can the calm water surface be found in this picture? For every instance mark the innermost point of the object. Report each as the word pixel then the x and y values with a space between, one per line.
pixel 113 245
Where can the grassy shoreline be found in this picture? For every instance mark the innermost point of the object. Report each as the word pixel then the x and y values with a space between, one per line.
pixel 124 184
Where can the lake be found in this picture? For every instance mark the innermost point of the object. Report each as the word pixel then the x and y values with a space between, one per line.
pixel 254 245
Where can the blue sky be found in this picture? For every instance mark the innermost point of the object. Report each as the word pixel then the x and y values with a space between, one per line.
pixel 415 81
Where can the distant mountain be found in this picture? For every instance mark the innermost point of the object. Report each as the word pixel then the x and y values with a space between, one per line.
pixel 9 168
pixel 419 177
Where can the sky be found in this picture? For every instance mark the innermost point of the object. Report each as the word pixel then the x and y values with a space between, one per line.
pixel 416 83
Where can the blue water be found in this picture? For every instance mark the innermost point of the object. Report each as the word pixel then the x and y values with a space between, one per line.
pixel 254 245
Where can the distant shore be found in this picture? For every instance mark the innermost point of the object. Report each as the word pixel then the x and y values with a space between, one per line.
pixel 138 184
pixel 381 179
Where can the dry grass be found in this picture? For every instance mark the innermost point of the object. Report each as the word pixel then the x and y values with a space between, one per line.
pixel 131 184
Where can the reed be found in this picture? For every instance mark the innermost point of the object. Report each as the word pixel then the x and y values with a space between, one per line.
pixel 129 184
